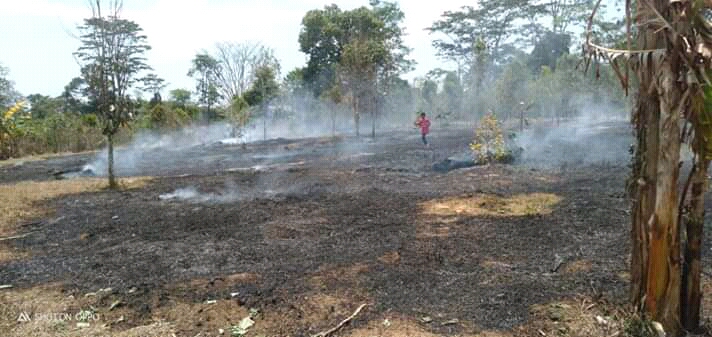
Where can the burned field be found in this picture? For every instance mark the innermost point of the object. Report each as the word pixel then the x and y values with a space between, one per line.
pixel 305 231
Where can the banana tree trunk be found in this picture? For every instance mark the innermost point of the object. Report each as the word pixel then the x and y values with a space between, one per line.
pixel 662 300
pixel 643 188
pixel 694 222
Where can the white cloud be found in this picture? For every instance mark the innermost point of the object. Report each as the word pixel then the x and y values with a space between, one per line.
pixel 39 8
pixel 177 30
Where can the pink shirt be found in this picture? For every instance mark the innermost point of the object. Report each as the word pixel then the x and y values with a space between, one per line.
pixel 424 124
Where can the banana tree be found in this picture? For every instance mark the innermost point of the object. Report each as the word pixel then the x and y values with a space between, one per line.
pixel 674 107
pixel 9 130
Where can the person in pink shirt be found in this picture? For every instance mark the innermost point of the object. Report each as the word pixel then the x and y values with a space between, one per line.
pixel 424 124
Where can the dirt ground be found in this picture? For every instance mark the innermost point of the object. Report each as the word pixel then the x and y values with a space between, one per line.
pixel 297 234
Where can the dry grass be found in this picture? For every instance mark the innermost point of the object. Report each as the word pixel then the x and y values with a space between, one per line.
pixel 491 205
pixel 319 310
pixel 41 301
pixel 395 325
pixel 390 258
pixel 496 265
pixel 577 318
pixel 209 318
pixel 578 266
pixel 21 201
pixel 24 201
pixel 21 160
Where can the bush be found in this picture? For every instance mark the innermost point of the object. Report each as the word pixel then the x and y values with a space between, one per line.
pixel 489 144
pixel 57 132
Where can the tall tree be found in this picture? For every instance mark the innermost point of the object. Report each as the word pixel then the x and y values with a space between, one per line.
pixel 112 55
pixel 363 55
pixel 181 97
pixel 206 70
pixel 153 85
pixel 492 23
pixel 239 63
pixel 72 97
pixel 429 92
pixel 358 75
pixel 322 39
pixel 8 95
pixel 452 88
pixel 396 59
pixel 548 49
pixel 564 14
pixel 263 90
pixel 359 50
pixel 42 106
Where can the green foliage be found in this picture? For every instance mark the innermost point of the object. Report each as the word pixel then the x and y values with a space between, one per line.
pixel 488 145
pixel 238 114
pixel 453 91
pixel 153 84
pixel 487 27
pixel 9 130
pixel 112 54
pixel 429 91
pixel 348 40
pixel 57 132
pixel 638 327
pixel 552 92
pixel 238 66
pixel 42 106
pixel 511 89
pixel 263 89
pixel 702 123
pixel 181 97
pixel 550 47
pixel 206 70
pixel 163 116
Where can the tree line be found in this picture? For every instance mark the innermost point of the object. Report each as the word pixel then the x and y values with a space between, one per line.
pixel 508 56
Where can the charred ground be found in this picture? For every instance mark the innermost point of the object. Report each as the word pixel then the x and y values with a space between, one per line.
pixel 320 226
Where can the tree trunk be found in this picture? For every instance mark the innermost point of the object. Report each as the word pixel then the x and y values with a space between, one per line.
pixel 264 126
pixel 333 121
pixel 643 188
pixel 691 295
pixel 112 178
pixel 655 232
pixel 662 298
pixel 354 105
pixel 643 183
pixel 373 124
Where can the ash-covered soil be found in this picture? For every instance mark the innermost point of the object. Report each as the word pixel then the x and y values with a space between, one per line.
pixel 344 216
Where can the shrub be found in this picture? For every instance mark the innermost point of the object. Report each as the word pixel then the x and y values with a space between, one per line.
pixel 488 144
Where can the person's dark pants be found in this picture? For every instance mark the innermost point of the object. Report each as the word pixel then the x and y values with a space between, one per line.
pixel 425 141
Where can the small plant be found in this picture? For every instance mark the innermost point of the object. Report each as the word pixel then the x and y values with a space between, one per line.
pixel 9 129
pixel 489 145
pixel 639 327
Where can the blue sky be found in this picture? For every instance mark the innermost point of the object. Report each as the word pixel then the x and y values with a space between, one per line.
pixel 37 35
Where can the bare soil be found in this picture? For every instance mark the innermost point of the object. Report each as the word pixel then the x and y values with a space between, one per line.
pixel 304 231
